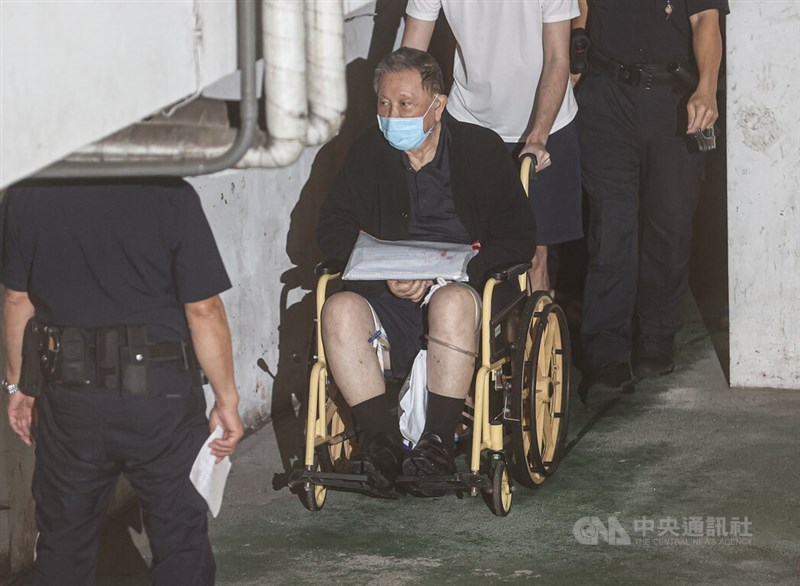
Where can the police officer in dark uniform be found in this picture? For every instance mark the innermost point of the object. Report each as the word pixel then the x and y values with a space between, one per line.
pixel 122 283
pixel 650 87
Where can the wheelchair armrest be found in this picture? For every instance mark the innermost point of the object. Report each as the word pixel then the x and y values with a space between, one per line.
pixel 506 272
pixel 329 266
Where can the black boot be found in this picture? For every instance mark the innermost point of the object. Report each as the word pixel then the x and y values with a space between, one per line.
pixel 654 356
pixel 610 379
pixel 381 461
pixel 381 457
pixel 430 457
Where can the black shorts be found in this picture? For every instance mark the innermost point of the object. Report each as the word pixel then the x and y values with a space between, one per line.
pixel 404 324
pixel 555 192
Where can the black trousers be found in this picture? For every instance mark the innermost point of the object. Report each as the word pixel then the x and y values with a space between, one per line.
pixel 643 185
pixel 86 437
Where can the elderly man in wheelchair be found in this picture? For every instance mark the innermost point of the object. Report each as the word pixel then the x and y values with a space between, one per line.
pixel 419 175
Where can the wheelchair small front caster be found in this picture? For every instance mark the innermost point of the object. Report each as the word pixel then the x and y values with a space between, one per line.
pixel 499 499
pixel 312 495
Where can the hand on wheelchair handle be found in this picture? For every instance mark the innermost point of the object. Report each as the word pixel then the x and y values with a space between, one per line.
pixel 411 290
pixel 538 151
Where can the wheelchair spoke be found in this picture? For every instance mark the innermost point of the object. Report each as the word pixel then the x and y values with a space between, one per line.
pixel 528 345
pixel 543 389
pixel 539 426
pixel 547 436
pixel 330 411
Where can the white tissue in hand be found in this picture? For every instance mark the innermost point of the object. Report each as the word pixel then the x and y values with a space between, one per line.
pixel 207 476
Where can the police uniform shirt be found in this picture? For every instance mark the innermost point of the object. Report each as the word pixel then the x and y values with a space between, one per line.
pixel 94 255
pixel 646 31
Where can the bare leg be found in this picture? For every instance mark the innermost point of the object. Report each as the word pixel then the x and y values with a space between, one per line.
pixel 346 327
pixel 537 275
pixel 451 319
pixel 452 343
pixel 347 324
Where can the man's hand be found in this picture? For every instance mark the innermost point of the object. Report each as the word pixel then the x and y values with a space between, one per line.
pixel 230 422
pixel 538 150
pixel 702 111
pixel 20 415
pixel 412 290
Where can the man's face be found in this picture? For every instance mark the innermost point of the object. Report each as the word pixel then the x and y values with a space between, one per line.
pixel 400 95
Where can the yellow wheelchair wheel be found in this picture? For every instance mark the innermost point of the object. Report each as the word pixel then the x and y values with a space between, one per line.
pixel 539 410
pixel 335 452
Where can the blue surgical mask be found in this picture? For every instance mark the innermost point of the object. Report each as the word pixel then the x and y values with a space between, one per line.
pixel 405 134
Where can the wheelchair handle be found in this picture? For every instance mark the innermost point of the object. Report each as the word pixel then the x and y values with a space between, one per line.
pixel 527 161
pixel 329 266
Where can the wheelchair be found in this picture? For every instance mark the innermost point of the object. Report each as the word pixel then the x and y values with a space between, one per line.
pixel 521 401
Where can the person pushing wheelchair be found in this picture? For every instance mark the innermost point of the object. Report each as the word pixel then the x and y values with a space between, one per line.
pixel 419 175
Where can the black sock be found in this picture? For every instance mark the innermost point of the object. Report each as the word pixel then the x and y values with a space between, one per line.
pixel 442 417
pixel 374 417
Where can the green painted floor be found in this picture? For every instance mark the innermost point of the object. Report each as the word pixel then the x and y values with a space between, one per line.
pixel 672 464
pixel 677 468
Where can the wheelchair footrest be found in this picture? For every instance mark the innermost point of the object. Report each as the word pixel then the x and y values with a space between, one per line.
pixel 358 483
pixel 334 479
pixel 460 482
pixel 455 482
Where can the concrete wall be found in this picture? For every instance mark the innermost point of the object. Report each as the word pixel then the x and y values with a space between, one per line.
pixel 74 72
pixel 764 193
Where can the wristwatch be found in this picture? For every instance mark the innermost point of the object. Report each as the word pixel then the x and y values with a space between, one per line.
pixel 10 388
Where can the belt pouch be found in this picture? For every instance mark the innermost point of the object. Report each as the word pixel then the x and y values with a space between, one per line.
pixel 193 366
pixel 683 74
pixel 133 360
pixel 31 377
pixel 76 362
pixel 108 358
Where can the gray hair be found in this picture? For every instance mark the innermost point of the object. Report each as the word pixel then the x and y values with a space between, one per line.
pixel 408 59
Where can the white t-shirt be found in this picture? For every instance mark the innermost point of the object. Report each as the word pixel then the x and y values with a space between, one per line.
pixel 498 62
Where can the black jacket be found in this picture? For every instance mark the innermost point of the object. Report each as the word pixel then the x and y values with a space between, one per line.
pixel 371 194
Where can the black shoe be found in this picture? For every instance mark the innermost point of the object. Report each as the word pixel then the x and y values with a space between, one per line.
pixel 654 356
pixel 610 378
pixel 381 461
pixel 430 457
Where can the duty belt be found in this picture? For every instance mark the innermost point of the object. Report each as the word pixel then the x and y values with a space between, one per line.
pixel 112 357
pixel 643 75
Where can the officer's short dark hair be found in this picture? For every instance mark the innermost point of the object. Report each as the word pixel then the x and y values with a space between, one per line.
pixel 408 59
